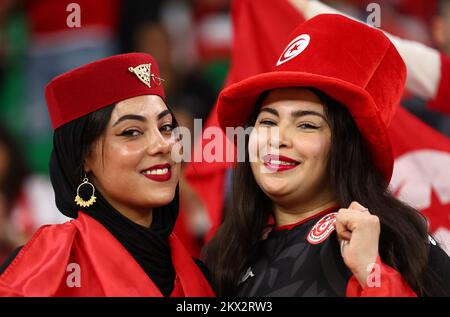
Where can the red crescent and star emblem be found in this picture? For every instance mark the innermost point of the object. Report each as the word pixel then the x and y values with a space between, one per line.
pixel 294 48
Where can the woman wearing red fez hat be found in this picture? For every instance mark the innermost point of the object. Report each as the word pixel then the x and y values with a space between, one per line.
pixel 112 170
pixel 312 214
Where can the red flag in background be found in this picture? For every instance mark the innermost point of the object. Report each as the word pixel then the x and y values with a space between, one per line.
pixel 422 166
pixel 422 171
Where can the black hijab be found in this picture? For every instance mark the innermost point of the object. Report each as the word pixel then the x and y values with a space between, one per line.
pixel 148 246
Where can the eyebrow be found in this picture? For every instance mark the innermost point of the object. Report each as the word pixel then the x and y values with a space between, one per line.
pixel 163 114
pixel 140 118
pixel 295 114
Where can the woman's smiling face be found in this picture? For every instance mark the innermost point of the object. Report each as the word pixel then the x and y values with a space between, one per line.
pixel 292 141
pixel 131 163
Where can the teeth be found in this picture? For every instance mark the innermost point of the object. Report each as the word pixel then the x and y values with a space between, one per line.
pixel 158 171
pixel 276 162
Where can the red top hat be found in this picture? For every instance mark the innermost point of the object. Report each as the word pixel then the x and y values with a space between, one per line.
pixel 100 84
pixel 353 63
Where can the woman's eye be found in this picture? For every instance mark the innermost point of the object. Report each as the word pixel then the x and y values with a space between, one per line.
pixel 131 133
pixel 266 122
pixel 308 126
pixel 167 128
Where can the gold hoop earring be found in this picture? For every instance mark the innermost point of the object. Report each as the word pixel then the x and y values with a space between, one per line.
pixel 80 201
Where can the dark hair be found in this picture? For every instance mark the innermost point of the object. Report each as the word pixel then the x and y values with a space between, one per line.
pixel 97 123
pixel 404 236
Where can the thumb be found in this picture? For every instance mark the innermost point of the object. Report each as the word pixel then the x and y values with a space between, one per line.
pixel 342 231
pixel 357 206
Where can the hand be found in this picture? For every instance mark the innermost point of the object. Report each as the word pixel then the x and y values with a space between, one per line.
pixel 358 231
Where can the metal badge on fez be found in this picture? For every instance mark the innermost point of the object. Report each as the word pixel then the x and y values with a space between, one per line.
pixel 143 72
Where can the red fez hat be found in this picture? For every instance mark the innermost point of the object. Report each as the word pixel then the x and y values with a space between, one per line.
pixel 100 84
pixel 353 63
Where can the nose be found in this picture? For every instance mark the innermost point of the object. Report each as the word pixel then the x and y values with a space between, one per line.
pixel 280 137
pixel 158 145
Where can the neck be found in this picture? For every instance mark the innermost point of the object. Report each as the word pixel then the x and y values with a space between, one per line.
pixel 287 216
pixel 141 218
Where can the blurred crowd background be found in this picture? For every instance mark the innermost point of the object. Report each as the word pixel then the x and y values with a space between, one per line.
pixel 190 39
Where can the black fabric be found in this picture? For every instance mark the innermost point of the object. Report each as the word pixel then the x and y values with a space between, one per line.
pixel 205 271
pixel 9 259
pixel 148 246
pixel 288 265
pixel 439 264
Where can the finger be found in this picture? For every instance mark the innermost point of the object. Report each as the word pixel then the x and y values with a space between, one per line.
pixel 342 231
pixel 343 244
pixel 357 206
pixel 349 218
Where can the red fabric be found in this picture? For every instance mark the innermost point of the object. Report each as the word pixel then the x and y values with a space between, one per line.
pixel 391 284
pixel 423 9
pixel 293 225
pixel 210 188
pixel 365 73
pixel 97 85
pixel 48 16
pixel 421 174
pixel 182 232
pixel 26 222
pixel 441 101
pixel 106 268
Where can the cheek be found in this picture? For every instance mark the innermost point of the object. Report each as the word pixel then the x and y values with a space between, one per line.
pixel 255 166
pixel 252 147
pixel 256 149
pixel 123 154
pixel 118 161
pixel 316 152
pixel 177 150
pixel 258 175
pixel 258 143
pixel 176 172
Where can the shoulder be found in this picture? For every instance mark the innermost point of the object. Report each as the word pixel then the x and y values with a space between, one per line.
pixel 438 258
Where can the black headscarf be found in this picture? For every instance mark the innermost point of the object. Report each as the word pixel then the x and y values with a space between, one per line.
pixel 148 246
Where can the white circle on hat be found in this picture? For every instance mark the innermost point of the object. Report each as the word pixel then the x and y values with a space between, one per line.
pixel 294 48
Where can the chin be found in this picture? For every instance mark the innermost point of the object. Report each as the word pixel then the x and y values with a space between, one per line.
pixel 276 191
pixel 162 200
pixel 276 184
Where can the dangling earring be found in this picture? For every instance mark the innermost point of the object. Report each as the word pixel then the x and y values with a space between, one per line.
pixel 80 201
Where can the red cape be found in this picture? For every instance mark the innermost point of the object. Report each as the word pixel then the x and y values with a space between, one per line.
pixel 83 251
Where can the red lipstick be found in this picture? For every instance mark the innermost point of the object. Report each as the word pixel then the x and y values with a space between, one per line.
pixel 279 163
pixel 158 173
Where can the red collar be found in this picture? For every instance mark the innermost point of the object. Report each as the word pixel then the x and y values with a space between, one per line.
pixel 319 214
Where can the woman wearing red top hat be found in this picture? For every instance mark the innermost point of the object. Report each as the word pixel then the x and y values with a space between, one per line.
pixel 312 214
pixel 111 169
